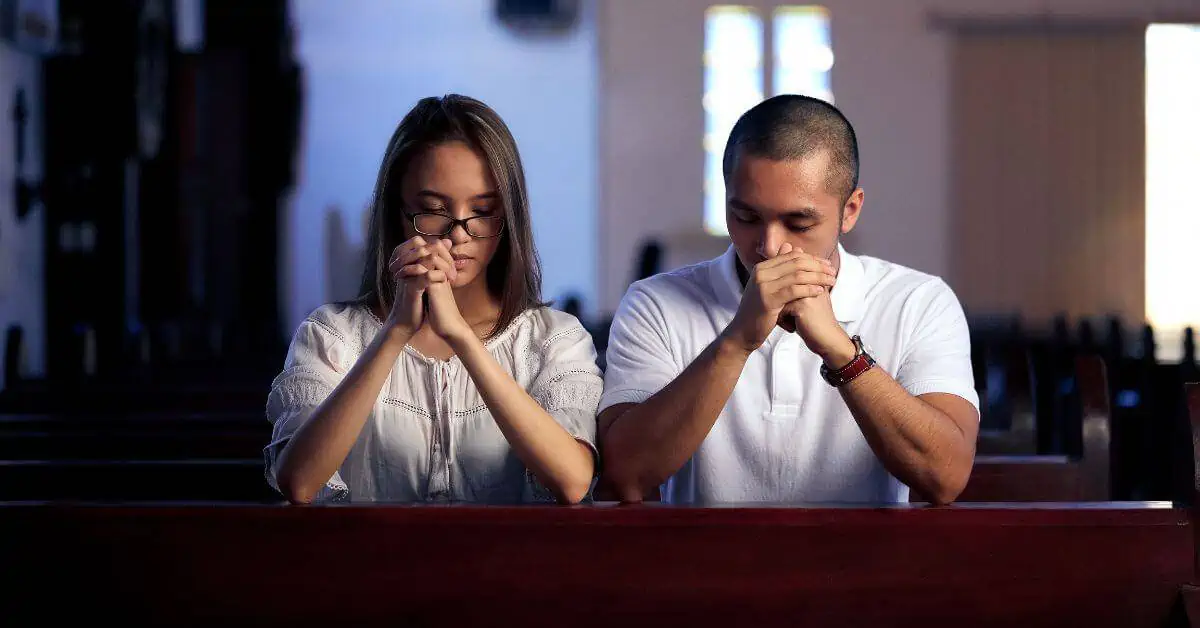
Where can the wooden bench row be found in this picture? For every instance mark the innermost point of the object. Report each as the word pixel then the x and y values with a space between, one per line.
pixel 1030 402
pixel 1056 477
pixel 219 456
pixel 184 457
pixel 144 437
pixel 1109 565
pixel 237 480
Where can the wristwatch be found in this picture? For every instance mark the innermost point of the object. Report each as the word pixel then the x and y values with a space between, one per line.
pixel 861 363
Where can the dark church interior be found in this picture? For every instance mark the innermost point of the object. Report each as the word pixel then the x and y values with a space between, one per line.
pixel 163 177
pixel 149 179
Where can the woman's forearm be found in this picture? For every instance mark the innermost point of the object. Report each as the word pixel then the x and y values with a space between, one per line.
pixel 556 458
pixel 316 451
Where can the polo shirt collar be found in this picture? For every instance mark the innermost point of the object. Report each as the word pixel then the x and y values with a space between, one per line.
pixel 849 295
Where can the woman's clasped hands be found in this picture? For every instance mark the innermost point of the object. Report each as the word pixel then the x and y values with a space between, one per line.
pixel 423 270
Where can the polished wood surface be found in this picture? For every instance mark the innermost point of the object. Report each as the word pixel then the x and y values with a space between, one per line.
pixel 976 565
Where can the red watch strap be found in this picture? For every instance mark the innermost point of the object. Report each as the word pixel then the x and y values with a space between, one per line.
pixel 856 367
pixel 861 363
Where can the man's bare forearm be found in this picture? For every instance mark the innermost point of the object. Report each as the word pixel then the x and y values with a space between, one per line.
pixel 919 443
pixel 646 443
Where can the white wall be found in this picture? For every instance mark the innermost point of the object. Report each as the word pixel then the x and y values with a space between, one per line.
pixel 367 62
pixel 890 77
pixel 21 300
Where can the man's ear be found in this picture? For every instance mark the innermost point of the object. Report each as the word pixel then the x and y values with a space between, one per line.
pixel 851 210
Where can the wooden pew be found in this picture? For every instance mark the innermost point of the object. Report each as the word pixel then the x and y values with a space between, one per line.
pixel 230 480
pixel 1191 594
pixel 207 388
pixel 1050 477
pixel 132 437
pixel 133 457
pixel 1193 403
pixel 1051 362
pixel 162 444
pixel 1020 435
pixel 99 399
pixel 1114 565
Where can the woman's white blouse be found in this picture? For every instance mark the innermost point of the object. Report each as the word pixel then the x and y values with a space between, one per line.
pixel 430 437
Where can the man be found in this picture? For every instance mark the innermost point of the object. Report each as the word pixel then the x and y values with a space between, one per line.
pixel 789 370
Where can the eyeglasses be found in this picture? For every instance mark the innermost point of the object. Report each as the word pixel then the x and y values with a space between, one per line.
pixel 440 224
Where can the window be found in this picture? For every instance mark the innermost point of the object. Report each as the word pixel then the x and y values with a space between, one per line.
pixel 735 78
pixel 1172 161
pixel 733 82
pixel 803 55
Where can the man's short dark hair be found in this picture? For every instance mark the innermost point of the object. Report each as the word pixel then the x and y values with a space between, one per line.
pixel 788 127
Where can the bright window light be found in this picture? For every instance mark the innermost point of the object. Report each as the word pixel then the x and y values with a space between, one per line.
pixel 1172 166
pixel 733 83
pixel 803 52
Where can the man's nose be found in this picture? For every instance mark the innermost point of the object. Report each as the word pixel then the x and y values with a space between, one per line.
pixel 771 239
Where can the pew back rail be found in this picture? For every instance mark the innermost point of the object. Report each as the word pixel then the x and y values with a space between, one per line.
pixel 1098 564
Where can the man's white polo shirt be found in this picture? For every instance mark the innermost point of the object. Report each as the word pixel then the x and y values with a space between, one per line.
pixel 786 435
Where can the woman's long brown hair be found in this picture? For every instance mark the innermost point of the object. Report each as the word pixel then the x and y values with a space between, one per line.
pixel 514 275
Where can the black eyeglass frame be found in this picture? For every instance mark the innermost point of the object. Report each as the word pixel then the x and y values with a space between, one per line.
pixel 455 222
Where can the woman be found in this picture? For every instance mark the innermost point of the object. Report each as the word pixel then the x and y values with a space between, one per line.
pixel 448 379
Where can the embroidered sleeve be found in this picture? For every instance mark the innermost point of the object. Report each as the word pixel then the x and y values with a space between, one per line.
pixel 568 387
pixel 311 371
